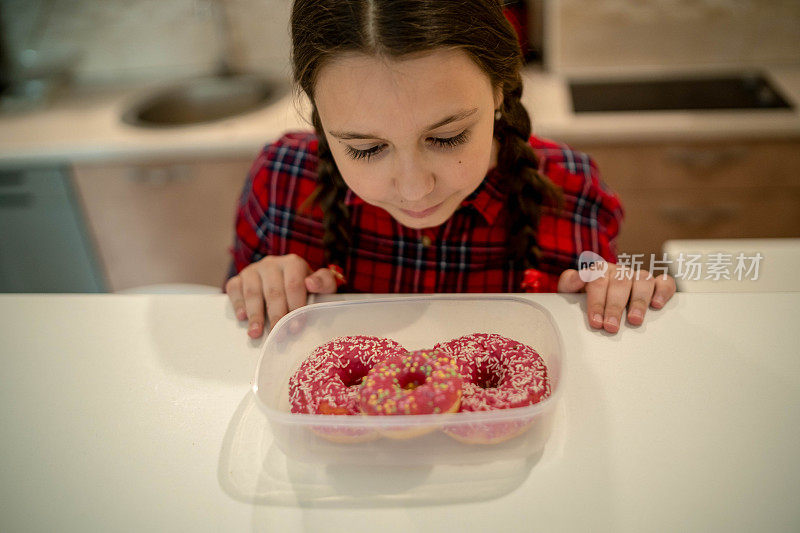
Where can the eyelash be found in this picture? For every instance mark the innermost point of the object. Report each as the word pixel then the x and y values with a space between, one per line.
pixel 446 143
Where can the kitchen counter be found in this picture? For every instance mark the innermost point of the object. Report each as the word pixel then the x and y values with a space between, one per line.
pixel 547 98
pixel 85 125
pixel 134 412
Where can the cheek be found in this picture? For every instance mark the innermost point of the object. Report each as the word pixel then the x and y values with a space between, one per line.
pixel 368 183
pixel 354 173
pixel 467 173
pixel 467 170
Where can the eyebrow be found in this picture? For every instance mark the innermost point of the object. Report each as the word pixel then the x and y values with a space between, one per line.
pixel 344 135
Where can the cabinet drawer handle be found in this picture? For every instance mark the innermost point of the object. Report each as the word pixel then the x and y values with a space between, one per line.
pixel 698 216
pixel 694 159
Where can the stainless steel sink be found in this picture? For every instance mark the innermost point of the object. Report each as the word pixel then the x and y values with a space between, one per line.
pixel 204 100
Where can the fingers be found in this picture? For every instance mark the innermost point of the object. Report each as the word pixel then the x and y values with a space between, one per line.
pixel 274 294
pixel 596 301
pixel 253 301
pixel 617 294
pixel 664 289
pixel 233 288
pixel 268 289
pixel 294 272
pixel 570 281
pixel 641 294
pixel 323 281
pixel 607 297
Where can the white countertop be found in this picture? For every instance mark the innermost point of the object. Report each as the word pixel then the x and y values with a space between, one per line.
pixel 85 125
pixel 771 264
pixel 134 412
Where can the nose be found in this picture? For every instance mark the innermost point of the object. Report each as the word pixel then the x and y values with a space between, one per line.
pixel 414 181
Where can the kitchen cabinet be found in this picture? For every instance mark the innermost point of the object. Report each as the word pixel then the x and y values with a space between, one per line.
pixel 166 222
pixel 162 222
pixel 702 190
pixel 44 245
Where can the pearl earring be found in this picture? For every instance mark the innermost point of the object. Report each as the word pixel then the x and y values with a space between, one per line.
pixel 497 114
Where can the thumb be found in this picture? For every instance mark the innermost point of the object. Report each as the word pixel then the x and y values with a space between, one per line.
pixel 321 282
pixel 570 281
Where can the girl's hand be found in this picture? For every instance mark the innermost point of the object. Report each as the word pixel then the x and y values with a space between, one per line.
pixel 607 296
pixel 277 285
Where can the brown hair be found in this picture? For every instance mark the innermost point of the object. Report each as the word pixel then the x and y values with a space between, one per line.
pixel 322 29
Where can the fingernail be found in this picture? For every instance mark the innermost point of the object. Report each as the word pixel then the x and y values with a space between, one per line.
pixel 597 318
pixel 241 314
pixel 313 282
pixel 636 313
pixel 612 321
pixel 657 302
pixel 254 327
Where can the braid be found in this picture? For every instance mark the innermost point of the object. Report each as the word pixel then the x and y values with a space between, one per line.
pixel 527 187
pixel 330 194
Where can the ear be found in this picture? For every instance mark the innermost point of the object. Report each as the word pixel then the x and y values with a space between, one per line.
pixel 498 96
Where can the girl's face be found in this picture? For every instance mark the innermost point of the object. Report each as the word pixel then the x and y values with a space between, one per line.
pixel 413 136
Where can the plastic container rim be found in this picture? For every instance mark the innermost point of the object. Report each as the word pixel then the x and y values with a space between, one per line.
pixel 410 420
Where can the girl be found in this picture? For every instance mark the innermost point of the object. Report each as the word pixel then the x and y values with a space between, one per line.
pixel 421 174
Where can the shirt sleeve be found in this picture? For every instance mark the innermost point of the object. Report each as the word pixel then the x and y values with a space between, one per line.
pixel 272 217
pixel 604 206
pixel 252 240
pixel 589 216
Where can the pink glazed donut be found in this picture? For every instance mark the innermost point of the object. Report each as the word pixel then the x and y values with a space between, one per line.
pixel 327 382
pixel 499 373
pixel 423 382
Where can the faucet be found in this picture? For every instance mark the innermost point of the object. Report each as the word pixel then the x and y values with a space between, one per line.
pixel 222 27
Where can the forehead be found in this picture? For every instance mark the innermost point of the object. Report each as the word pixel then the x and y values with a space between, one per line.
pixel 380 94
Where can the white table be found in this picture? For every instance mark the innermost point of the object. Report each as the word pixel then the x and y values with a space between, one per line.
pixel 768 265
pixel 133 412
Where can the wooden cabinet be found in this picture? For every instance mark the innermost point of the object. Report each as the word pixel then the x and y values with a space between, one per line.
pixel 162 222
pixel 173 222
pixel 702 190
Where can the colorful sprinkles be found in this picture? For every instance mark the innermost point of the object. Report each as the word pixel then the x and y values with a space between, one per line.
pixel 377 376
pixel 416 383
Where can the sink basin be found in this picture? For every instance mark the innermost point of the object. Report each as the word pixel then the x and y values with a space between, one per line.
pixel 735 91
pixel 204 100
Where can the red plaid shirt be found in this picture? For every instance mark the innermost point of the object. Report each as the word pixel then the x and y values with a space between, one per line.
pixel 465 254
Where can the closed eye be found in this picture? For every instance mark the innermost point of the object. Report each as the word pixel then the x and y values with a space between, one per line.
pixel 438 142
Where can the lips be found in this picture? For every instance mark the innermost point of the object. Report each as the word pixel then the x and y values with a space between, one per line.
pixel 422 214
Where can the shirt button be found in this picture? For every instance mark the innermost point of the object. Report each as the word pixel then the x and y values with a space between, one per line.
pixel 426 241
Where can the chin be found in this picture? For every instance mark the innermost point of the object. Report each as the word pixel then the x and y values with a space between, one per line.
pixel 421 223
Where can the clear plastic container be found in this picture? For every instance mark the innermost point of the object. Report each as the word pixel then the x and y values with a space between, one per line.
pixel 416 322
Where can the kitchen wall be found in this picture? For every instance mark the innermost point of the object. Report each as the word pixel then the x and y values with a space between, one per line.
pixel 619 35
pixel 122 40
pixel 130 40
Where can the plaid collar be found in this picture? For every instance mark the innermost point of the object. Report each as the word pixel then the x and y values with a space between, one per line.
pixel 488 199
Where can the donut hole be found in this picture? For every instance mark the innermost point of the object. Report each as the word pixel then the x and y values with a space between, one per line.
pixel 411 381
pixel 486 378
pixel 353 374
